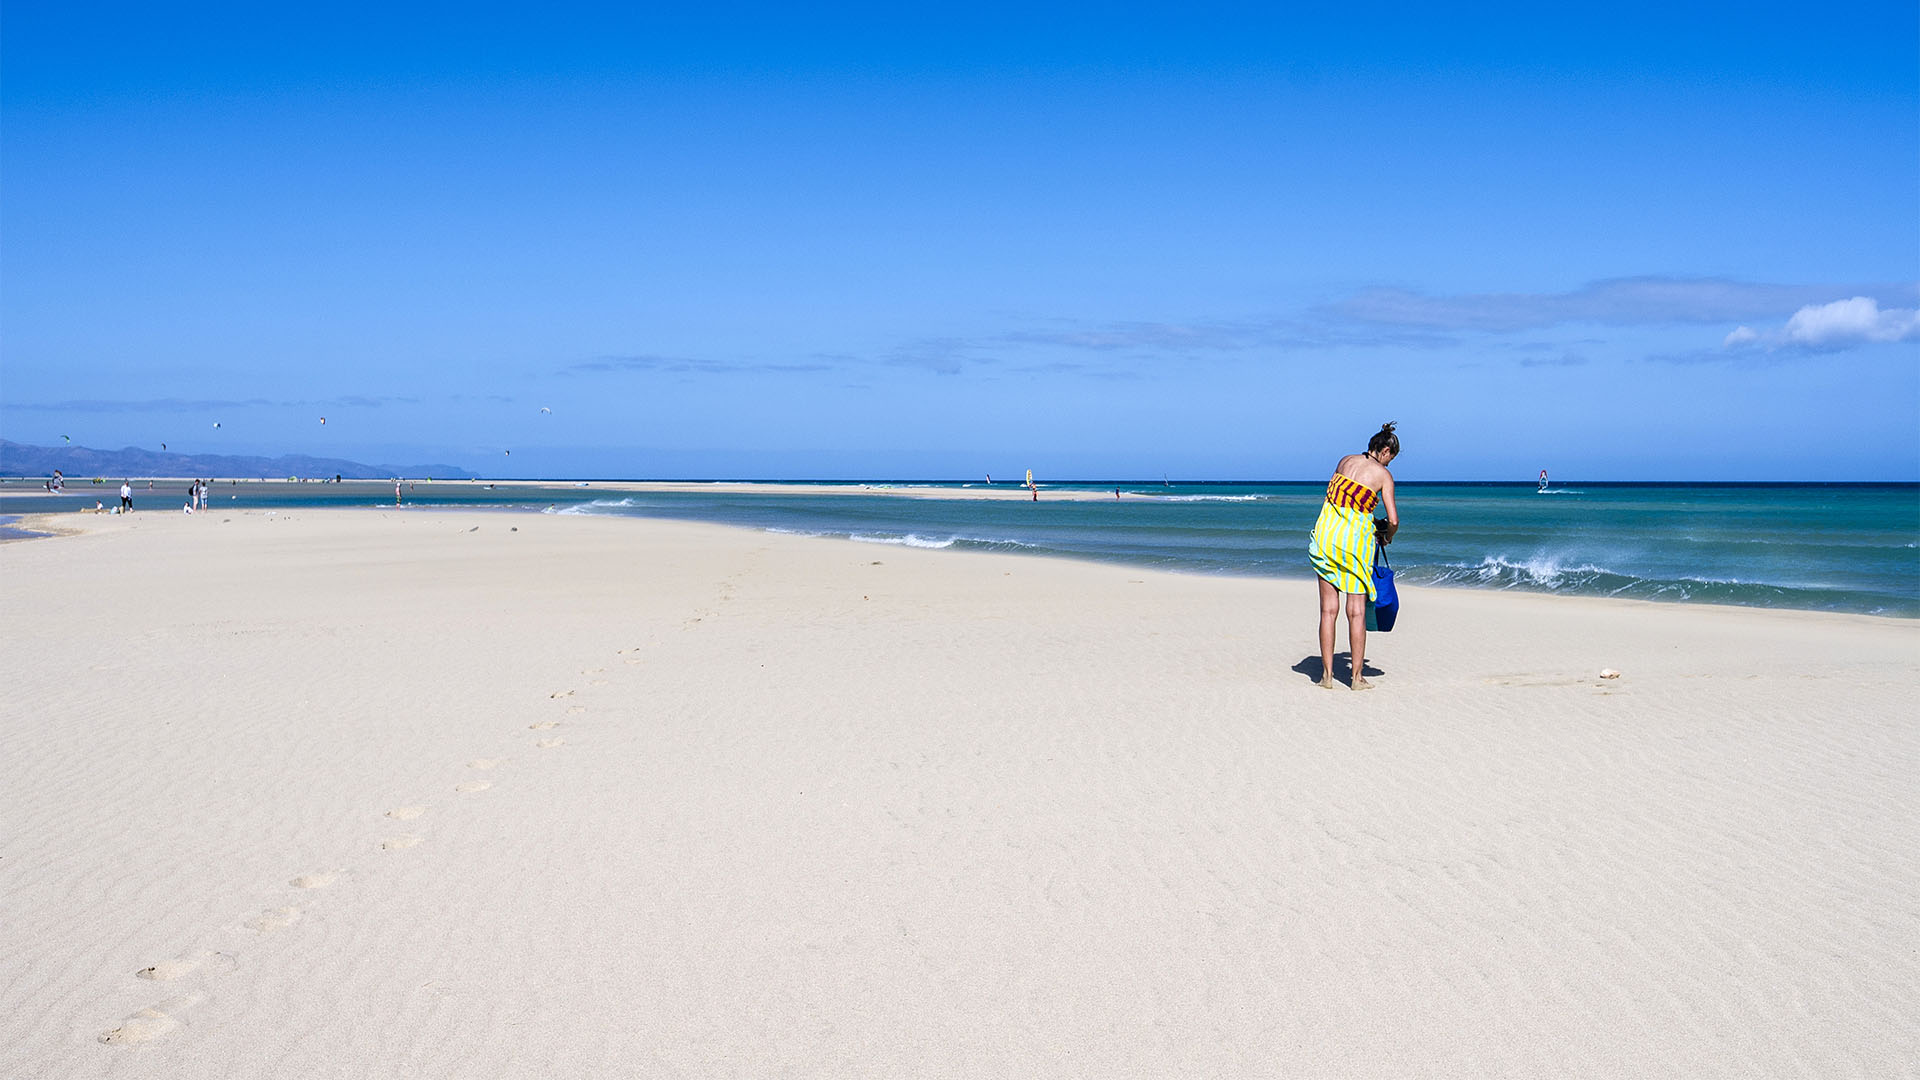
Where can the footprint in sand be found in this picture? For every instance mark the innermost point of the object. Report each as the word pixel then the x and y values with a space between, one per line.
pixel 598 682
pixel 273 919
pixel 178 967
pixel 406 813
pixel 544 725
pixel 150 1023
pixel 572 709
pixel 471 786
pixel 636 660
pixel 315 881
pixel 486 763
pixel 561 693
pixel 548 744
pixel 592 670
pixel 399 843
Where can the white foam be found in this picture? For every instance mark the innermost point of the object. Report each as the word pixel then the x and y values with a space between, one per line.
pixel 1544 571
pixel 909 540
pixel 594 507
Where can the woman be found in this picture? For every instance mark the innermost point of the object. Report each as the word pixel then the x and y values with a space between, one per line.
pixel 1342 547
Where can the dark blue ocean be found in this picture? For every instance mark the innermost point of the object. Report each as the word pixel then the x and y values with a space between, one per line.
pixel 1826 547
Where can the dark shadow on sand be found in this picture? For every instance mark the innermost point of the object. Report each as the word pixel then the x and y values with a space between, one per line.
pixel 1342 668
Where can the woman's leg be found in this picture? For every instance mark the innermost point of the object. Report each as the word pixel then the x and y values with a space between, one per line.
pixel 1357 634
pixel 1329 618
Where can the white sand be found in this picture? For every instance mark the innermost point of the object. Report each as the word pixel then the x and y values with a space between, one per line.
pixel 368 794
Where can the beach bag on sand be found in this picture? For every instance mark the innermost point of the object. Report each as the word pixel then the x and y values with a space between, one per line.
pixel 1385 607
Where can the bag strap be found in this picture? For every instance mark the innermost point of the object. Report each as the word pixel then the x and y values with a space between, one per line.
pixel 1380 552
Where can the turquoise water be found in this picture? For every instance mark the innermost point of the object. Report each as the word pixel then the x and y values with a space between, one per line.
pixel 1829 547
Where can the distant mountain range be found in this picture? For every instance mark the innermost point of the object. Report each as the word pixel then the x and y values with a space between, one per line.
pixel 19 459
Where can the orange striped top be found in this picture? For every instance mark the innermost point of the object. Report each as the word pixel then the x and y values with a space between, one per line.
pixel 1346 491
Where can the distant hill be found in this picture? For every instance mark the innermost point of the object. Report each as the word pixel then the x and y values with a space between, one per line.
pixel 19 459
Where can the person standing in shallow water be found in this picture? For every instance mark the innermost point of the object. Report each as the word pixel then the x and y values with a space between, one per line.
pixel 1342 548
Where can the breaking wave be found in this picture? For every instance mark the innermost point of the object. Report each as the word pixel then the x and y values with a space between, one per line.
pixel 1548 574
pixel 977 543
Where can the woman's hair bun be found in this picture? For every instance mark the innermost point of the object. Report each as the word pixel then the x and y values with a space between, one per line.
pixel 1386 428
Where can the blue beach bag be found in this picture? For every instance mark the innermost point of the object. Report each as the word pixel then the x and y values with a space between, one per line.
pixel 1385 607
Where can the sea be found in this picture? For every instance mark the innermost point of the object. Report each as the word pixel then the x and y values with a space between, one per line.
pixel 1821 547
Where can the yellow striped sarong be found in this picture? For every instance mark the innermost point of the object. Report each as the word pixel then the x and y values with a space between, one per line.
pixel 1342 547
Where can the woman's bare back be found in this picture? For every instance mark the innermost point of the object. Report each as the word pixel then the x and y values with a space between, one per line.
pixel 1364 470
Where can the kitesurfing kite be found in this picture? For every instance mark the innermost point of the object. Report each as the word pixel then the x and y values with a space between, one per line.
pixel 323 421
pixel 69 438
pixel 544 409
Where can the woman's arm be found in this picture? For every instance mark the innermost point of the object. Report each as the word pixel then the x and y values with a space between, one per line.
pixel 1393 512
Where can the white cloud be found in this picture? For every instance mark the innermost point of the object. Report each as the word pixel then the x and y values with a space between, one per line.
pixel 1837 325
pixel 1847 322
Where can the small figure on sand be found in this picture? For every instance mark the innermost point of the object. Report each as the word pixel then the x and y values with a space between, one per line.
pixel 1032 487
pixel 396 493
pixel 1343 548
pixel 126 497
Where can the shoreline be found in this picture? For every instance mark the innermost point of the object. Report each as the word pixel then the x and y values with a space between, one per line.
pixel 50 526
pixel 1008 491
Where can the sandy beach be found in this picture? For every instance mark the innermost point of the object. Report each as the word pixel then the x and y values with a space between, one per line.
pixel 357 793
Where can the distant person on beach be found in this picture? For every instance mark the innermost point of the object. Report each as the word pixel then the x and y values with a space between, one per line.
pixel 396 493
pixel 1342 548
pixel 126 496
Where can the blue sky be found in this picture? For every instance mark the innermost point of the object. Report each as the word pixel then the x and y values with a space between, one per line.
pixel 1677 241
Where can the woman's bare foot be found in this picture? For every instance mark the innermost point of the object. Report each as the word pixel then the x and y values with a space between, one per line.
pixel 1361 684
pixel 1326 681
